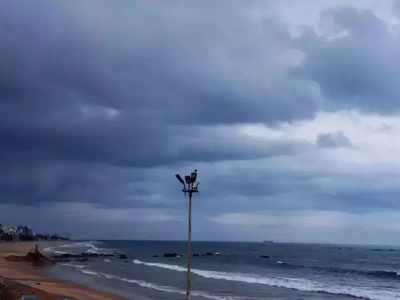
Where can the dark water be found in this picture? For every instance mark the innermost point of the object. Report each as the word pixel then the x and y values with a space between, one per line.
pixel 292 271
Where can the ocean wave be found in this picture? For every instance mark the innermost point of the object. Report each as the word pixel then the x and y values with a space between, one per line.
pixel 384 274
pixel 90 272
pixel 53 250
pixel 375 273
pixel 73 265
pixel 87 244
pixel 160 265
pixel 87 247
pixel 90 246
pixel 169 289
pixel 285 282
pixel 153 286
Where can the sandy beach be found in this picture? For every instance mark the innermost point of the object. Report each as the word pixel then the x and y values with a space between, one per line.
pixel 19 278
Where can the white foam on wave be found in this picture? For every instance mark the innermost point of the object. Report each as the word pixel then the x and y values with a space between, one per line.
pixel 160 265
pixel 73 265
pixel 169 289
pixel 88 246
pixel 53 250
pixel 90 272
pixel 285 282
pixel 156 287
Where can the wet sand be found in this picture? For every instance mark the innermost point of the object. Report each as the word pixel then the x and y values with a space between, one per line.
pixel 24 278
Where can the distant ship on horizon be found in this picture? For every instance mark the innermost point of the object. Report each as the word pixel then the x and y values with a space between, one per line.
pixel 268 241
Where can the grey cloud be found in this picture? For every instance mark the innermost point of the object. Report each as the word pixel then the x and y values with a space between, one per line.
pixel 101 103
pixel 87 91
pixel 211 78
pixel 333 140
pixel 75 88
pixel 357 67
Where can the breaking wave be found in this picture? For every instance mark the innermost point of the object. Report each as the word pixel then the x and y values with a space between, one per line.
pixel 284 282
pixel 71 248
pixel 374 273
pixel 149 285
pixel 52 250
pixel 73 265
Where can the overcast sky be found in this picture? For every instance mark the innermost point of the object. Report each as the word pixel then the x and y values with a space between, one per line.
pixel 290 110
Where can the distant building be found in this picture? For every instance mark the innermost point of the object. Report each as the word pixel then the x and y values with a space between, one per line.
pixel 25 233
pixel 8 233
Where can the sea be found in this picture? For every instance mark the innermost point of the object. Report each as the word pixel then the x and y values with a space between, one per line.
pixel 235 270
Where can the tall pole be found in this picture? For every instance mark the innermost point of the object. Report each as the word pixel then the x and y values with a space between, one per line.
pixel 189 250
pixel 189 187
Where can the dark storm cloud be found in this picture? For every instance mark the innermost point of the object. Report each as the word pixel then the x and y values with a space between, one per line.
pixel 71 58
pixel 101 102
pixel 85 88
pixel 269 185
pixel 88 85
pixel 357 66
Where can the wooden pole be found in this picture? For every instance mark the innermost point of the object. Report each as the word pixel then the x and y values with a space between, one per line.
pixel 189 249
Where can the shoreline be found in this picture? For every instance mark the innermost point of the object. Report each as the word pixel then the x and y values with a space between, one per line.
pixel 19 278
